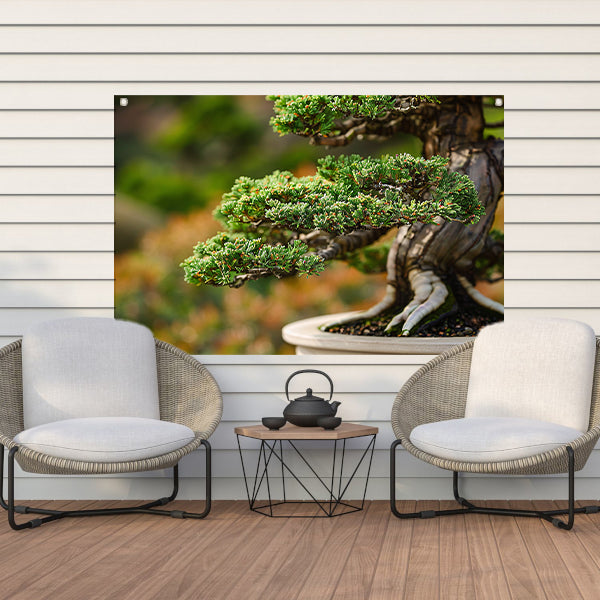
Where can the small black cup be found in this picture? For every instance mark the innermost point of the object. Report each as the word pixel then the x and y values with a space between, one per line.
pixel 273 422
pixel 329 422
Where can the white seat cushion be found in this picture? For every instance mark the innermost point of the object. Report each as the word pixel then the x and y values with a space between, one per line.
pixel 539 369
pixel 88 367
pixel 482 439
pixel 106 439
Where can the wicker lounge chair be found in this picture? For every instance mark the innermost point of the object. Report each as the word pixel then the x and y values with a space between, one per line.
pixel 439 392
pixel 188 398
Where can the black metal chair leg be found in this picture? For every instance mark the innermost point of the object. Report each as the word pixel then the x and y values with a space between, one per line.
pixel 183 514
pixel 423 514
pixel 468 507
pixel 571 507
pixel 11 496
pixel 457 496
pixel 393 508
pixel 147 508
pixel 208 484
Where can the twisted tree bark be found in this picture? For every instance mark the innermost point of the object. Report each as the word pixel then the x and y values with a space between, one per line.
pixel 431 267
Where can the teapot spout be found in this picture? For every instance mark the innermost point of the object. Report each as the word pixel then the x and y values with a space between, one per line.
pixel 334 407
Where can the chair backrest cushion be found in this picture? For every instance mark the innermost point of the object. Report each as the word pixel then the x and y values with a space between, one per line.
pixel 539 369
pixel 88 367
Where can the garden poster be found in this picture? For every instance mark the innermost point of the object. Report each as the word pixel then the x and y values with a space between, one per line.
pixel 366 217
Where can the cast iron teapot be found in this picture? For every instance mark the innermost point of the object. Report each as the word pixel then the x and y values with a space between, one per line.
pixel 305 411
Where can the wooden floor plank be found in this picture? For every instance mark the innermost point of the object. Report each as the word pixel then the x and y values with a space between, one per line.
pixel 235 553
pixel 595 517
pixel 239 550
pixel 7 534
pixel 285 534
pixel 519 570
pixel 92 552
pixel 37 553
pixel 486 564
pixel 547 560
pixel 390 576
pixel 586 529
pixel 356 577
pixel 423 571
pixel 582 568
pixel 236 548
pixel 294 572
pixel 330 560
pixel 456 574
pixel 172 565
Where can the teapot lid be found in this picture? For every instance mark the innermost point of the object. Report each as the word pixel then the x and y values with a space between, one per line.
pixel 309 397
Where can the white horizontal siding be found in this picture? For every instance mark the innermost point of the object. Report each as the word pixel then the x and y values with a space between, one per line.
pixel 14 321
pixel 590 315
pixel 56 294
pixel 300 12
pixel 552 124
pixel 56 265
pixel 61 181
pixel 530 266
pixel 531 95
pixel 296 67
pixel 56 180
pixel 48 236
pixel 554 151
pixel 56 152
pixel 552 236
pixel 296 38
pixel 61 124
pixel 363 379
pixel 559 208
pixel 553 294
pixel 57 209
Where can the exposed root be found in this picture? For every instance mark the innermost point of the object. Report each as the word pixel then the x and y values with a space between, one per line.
pixel 430 293
pixel 388 301
pixel 478 297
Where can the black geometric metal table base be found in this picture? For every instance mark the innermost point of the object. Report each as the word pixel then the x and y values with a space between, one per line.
pixel 54 515
pixel 469 507
pixel 333 505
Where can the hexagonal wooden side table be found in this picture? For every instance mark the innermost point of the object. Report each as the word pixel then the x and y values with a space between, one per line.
pixel 272 446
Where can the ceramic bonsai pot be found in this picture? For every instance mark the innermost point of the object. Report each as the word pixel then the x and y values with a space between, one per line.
pixel 309 339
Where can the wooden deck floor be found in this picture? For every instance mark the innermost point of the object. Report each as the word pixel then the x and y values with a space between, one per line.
pixel 236 554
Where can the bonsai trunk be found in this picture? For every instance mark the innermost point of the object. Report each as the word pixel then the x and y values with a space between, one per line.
pixel 431 267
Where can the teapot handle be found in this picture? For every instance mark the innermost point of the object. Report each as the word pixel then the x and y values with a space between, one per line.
pixel 287 383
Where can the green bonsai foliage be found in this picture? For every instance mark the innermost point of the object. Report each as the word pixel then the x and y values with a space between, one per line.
pixel 321 115
pixel 287 225
pixel 281 225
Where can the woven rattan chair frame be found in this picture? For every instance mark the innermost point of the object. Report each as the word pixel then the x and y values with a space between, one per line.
pixel 438 392
pixel 188 394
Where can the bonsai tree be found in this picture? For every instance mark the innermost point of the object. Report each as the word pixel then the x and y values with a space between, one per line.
pixel 424 220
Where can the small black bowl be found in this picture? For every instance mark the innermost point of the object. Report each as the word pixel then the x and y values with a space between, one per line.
pixel 273 422
pixel 329 422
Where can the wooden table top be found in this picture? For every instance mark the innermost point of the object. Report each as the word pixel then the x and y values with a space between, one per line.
pixel 293 432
